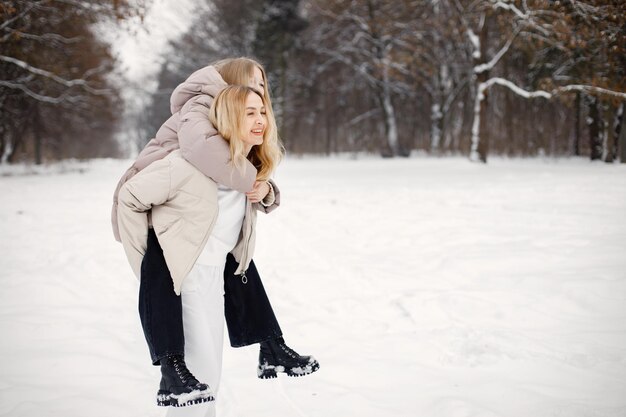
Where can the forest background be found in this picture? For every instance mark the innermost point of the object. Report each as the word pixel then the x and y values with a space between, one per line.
pixel 445 77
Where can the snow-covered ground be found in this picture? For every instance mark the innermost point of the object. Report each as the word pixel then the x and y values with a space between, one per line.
pixel 425 287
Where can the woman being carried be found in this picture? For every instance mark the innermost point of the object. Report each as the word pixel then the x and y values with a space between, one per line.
pixel 249 314
pixel 184 206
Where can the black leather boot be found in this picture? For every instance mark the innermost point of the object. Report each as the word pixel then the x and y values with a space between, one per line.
pixel 276 356
pixel 179 388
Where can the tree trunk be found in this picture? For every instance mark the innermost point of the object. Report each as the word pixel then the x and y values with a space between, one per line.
pixel 14 140
pixel 437 109
pixel 474 156
pixel 609 133
pixel 509 119
pixel 391 127
pixel 480 137
pixel 37 138
pixel 510 124
pixel 5 149
pixel 10 153
pixel 483 145
pixel 3 144
pixel 576 144
pixel 283 91
pixel 8 141
pixel 593 122
pixel 329 136
pixel 436 127
pixel 480 142
pixel 36 129
pixel 453 139
pixel 622 134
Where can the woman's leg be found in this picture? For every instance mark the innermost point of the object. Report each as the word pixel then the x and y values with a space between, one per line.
pixel 203 318
pixel 161 314
pixel 251 319
pixel 249 314
pixel 160 309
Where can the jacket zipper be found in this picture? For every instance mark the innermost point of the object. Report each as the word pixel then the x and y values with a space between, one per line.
pixel 244 252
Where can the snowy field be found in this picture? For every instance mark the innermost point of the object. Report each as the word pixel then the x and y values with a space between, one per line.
pixel 425 287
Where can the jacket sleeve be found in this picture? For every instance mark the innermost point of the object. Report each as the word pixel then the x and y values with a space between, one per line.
pixel 203 147
pixel 271 200
pixel 130 172
pixel 148 188
pixel 155 150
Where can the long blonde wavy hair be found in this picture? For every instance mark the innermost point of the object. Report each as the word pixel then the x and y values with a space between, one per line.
pixel 239 71
pixel 228 114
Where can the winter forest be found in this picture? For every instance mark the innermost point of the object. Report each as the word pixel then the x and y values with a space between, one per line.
pixel 447 77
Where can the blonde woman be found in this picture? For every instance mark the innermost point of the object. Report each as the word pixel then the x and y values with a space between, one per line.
pixel 249 315
pixel 198 222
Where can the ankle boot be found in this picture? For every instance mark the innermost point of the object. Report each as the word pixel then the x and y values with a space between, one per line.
pixel 179 387
pixel 276 356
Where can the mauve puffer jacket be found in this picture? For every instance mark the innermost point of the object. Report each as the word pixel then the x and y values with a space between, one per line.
pixel 201 145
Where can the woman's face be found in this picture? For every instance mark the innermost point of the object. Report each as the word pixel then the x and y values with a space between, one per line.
pixel 256 81
pixel 255 120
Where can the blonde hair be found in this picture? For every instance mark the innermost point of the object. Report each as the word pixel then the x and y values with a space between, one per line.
pixel 228 113
pixel 238 71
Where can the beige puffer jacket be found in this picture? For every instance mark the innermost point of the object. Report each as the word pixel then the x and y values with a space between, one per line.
pixel 190 130
pixel 183 205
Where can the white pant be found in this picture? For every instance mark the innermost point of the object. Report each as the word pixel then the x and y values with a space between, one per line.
pixel 202 296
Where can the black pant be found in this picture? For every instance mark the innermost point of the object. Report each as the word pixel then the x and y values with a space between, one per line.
pixel 249 315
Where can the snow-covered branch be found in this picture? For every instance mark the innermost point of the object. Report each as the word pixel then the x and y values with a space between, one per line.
pixel 475 41
pixel 487 66
pixel 361 117
pixel 482 87
pixel 590 89
pixel 549 94
pixel 38 71
pixel 526 18
pixel 39 97
pixel 503 4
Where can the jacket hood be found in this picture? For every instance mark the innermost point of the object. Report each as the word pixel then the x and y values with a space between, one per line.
pixel 204 81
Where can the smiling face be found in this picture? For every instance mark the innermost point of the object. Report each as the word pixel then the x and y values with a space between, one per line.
pixel 255 121
pixel 245 121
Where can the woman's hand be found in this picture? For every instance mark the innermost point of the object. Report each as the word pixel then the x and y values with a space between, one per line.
pixel 258 193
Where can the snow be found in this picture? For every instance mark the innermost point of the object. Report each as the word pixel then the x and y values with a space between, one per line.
pixel 186 398
pixel 475 40
pixel 511 86
pixel 424 287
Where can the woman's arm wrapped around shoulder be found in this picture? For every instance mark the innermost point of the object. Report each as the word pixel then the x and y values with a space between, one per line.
pixel 203 147
pixel 271 200
pixel 150 187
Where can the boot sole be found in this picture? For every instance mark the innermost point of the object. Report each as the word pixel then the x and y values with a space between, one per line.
pixel 271 371
pixel 168 399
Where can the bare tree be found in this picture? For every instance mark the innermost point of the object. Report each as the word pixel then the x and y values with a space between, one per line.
pixel 375 39
pixel 56 73
pixel 440 75
pixel 541 23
